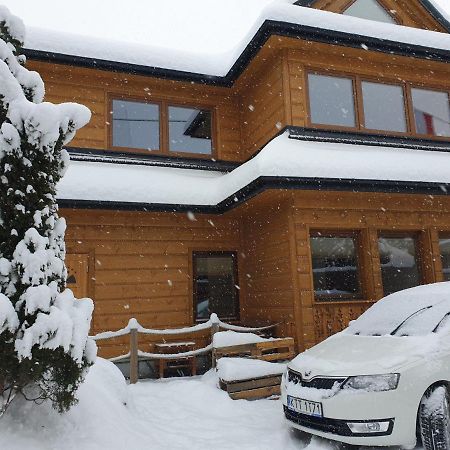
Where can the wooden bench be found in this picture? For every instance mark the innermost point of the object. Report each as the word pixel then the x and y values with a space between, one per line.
pixel 183 362
pixel 274 350
pixel 253 389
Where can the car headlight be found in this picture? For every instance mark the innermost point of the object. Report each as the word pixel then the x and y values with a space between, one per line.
pixel 373 383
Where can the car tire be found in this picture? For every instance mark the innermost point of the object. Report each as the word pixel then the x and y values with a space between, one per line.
pixel 434 419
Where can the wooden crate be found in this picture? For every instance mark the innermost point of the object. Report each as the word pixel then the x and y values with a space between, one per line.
pixel 276 350
pixel 253 389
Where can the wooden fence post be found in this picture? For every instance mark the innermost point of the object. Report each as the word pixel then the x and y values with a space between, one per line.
pixel 215 327
pixel 134 357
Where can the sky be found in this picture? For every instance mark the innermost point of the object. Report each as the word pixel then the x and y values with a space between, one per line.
pixel 174 24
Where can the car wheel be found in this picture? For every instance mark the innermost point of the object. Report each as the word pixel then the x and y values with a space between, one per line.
pixel 434 419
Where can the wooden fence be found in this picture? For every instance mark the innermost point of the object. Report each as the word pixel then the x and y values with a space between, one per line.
pixel 133 329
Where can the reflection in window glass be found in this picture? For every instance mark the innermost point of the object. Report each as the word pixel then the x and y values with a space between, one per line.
pixel 431 112
pixel 331 100
pixel 135 125
pixel 369 9
pixel 190 130
pixel 216 289
pixel 398 260
pixel 384 107
pixel 335 266
pixel 444 245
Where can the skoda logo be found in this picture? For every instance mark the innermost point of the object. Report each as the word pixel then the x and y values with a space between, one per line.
pixel 308 373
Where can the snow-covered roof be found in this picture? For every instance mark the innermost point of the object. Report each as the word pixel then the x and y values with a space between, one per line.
pixel 277 17
pixel 283 162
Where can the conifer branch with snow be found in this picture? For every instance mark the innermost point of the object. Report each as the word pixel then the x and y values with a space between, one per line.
pixel 44 346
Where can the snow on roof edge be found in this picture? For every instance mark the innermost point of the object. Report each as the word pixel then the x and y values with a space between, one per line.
pixel 282 157
pixel 219 65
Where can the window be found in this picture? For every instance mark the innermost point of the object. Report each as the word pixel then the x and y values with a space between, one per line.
pixel 335 266
pixel 444 246
pixel 431 112
pixel 135 125
pixel 331 100
pixel 384 107
pixel 216 287
pixel 189 130
pixel 369 9
pixel 161 127
pixel 398 259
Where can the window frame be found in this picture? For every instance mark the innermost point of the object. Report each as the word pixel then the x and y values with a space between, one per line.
pixel 359 103
pixel 418 249
pixel 202 253
pixel 396 19
pixel 443 234
pixel 164 137
pixel 357 237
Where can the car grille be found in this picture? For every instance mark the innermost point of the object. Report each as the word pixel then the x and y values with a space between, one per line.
pixel 326 425
pixel 315 383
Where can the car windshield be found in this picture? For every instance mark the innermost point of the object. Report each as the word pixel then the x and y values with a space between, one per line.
pixel 413 312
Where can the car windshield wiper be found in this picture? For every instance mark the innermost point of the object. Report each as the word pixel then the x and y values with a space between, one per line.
pixel 409 317
pixel 436 328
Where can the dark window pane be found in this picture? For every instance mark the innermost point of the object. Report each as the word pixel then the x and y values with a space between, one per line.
pixel 369 9
pixel 135 125
pixel 444 245
pixel 216 285
pixel 398 260
pixel 431 112
pixel 335 266
pixel 190 130
pixel 384 107
pixel 331 100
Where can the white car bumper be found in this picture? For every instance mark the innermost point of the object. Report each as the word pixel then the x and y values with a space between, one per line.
pixel 344 409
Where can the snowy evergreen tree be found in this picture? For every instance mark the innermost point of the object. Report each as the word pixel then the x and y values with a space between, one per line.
pixel 44 346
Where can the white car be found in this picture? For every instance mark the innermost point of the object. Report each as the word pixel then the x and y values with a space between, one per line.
pixel 384 380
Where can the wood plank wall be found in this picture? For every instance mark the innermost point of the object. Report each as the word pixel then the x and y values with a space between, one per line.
pixel 268 266
pixel 368 214
pixel 94 87
pixel 263 106
pixel 140 265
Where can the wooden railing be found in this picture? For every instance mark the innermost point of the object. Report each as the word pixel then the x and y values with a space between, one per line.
pixel 134 328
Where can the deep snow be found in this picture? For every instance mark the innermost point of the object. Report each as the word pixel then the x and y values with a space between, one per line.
pixel 164 415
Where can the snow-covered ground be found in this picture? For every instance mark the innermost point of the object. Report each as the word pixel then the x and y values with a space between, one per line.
pixel 159 415
pixel 163 415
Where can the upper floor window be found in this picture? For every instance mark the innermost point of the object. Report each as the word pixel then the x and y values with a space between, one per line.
pixel 161 127
pixel 355 103
pixel 369 9
pixel 331 100
pixel 384 107
pixel 135 125
pixel 431 112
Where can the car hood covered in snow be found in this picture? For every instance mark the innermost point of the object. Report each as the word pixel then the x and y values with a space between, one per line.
pixel 345 355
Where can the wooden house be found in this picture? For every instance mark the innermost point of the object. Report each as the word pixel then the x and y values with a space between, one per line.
pixel 297 185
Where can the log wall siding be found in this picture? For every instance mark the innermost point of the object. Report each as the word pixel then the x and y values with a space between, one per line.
pixel 369 214
pixel 140 265
pixel 263 106
pixel 267 262
pixel 407 12
pixel 93 88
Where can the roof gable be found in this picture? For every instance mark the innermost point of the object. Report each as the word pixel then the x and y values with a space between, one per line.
pixel 413 13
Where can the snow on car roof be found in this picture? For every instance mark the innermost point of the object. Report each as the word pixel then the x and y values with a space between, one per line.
pixel 184 47
pixel 282 157
pixel 415 311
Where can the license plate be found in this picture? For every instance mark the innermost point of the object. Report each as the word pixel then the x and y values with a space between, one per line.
pixel 302 406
